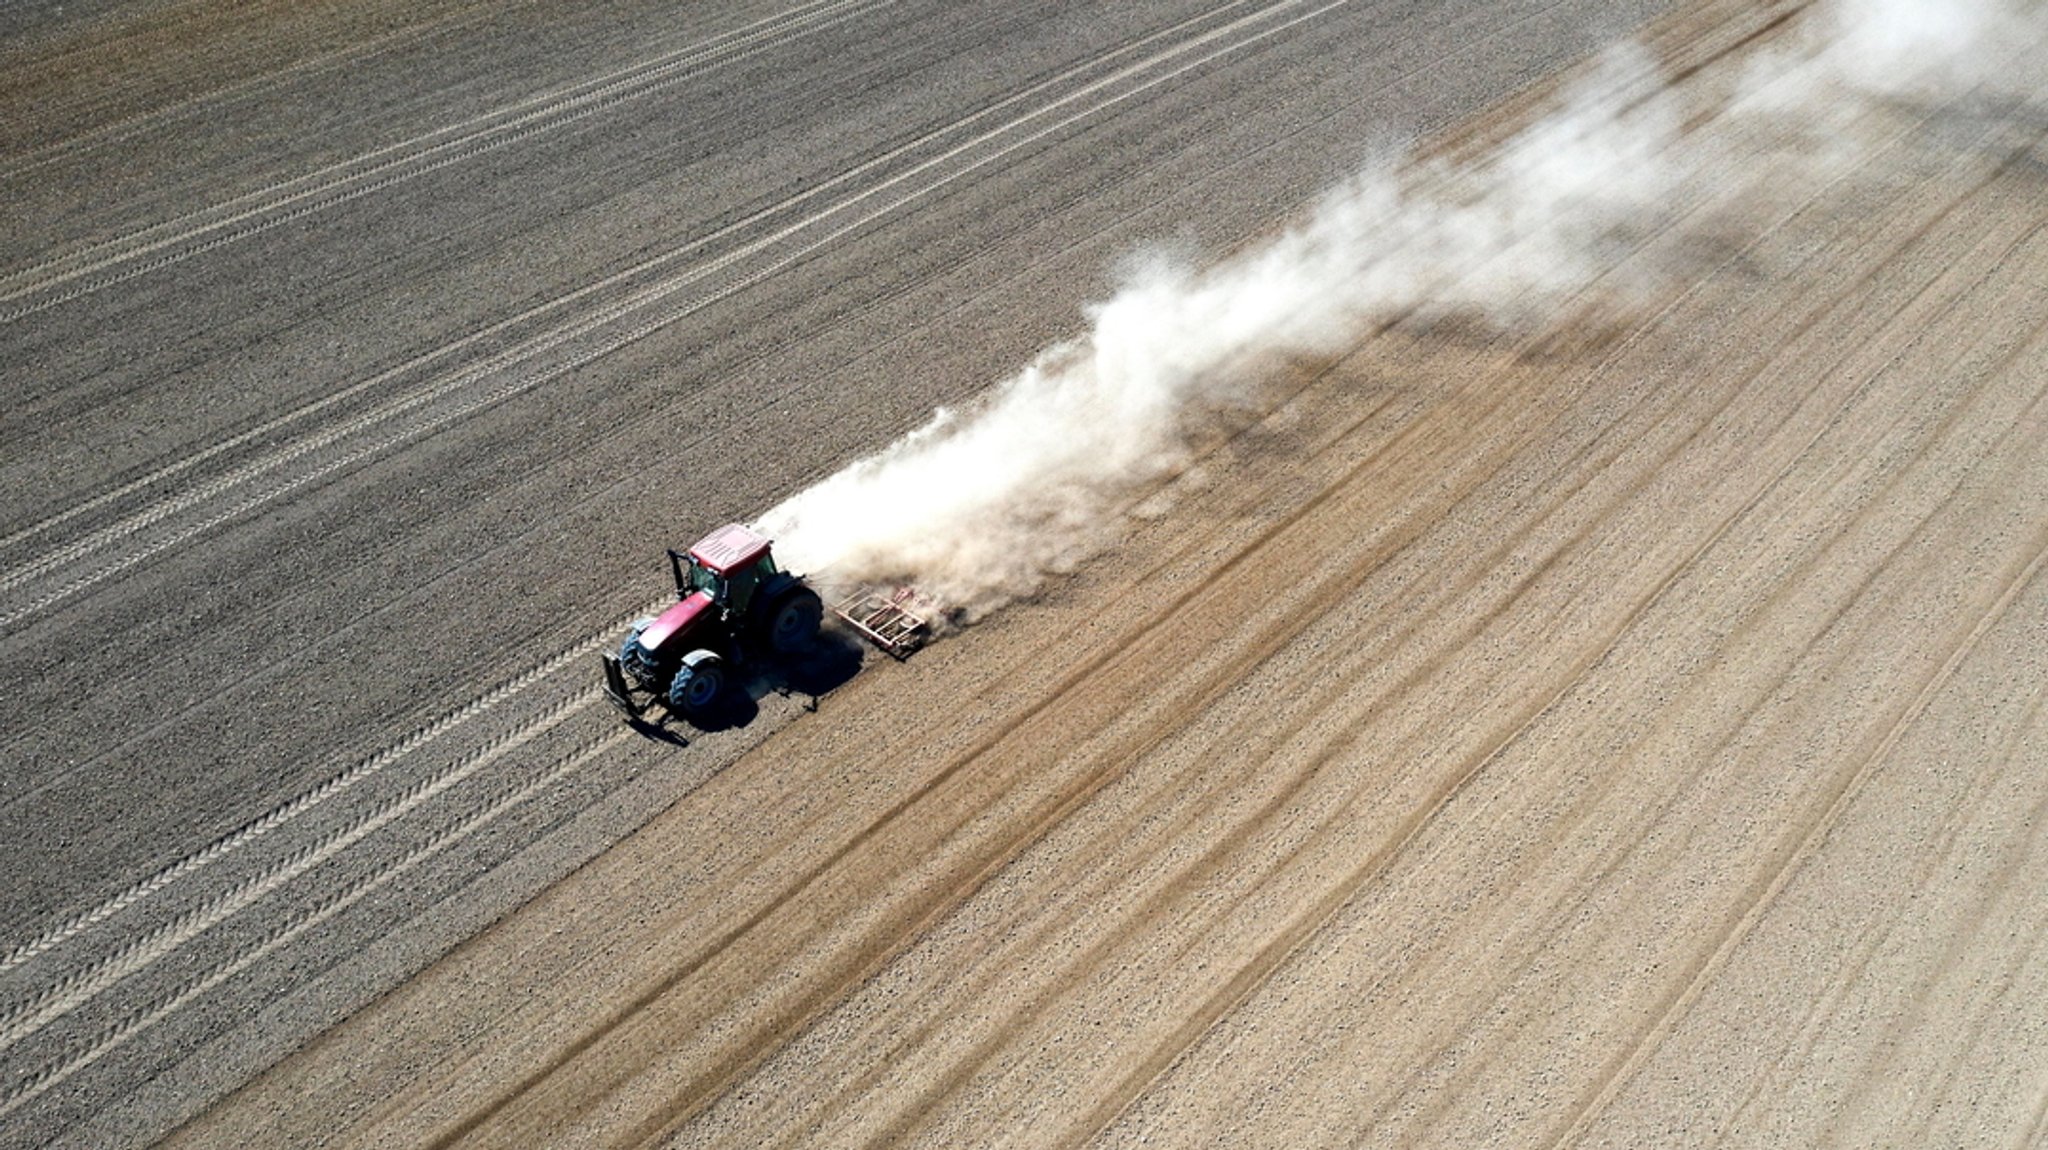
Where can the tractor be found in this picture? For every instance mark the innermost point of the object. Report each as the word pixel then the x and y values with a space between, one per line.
pixel 732 604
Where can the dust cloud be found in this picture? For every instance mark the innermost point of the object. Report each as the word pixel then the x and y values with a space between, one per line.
pixel 989 500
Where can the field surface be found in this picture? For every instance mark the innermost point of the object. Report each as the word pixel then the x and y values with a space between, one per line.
pixel 1615 719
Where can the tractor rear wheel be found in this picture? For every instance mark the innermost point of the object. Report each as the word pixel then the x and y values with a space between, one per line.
pixel 791 622
pixel 697 683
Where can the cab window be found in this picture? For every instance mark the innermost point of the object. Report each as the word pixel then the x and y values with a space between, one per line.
pixel 702 579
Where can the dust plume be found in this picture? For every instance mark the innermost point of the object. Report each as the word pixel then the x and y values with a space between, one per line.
pixel 989 500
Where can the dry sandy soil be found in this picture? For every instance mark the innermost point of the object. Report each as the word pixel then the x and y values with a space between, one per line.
pixel 1621 728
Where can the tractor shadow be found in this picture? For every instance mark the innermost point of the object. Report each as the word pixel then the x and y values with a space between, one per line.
pixel 831 661
pixel 658 729
pixel 665 724
pixel 734 708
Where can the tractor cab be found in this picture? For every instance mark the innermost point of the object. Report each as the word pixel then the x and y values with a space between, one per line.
pixel 729 565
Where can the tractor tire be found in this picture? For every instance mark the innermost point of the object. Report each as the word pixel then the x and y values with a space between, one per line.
pixel 697 683
pixel 790 624
pixel 633 658
pixel 632 638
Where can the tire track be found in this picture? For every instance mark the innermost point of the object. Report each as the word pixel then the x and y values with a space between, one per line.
pixel 1791 858
pixel 1941 848
pixel 112 1037
pixel 62 995
pixel 1254 974
pixel 1434 602
pixel 65 994
pixel 118 259
pixel 606 328
pixel 219 100
pixel 286 812
pixel 71 991
pixel 1220 679
pixel 622 279
pixel 25 1018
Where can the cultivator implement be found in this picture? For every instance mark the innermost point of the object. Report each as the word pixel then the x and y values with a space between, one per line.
pixel 896 619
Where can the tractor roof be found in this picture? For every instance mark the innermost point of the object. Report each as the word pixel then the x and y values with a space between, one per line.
pixel 730 548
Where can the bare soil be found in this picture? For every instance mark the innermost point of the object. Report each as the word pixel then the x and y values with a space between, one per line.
pixel 1623 732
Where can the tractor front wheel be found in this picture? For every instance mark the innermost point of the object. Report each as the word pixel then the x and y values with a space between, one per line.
pixel 697 683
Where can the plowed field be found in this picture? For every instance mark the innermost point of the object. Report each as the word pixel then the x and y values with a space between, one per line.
pixel 1619 726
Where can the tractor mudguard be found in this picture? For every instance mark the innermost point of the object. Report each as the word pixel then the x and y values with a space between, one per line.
pixel 777 585
pixel 698 682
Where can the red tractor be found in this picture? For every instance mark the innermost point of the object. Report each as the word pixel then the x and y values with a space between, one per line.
pixel 732 602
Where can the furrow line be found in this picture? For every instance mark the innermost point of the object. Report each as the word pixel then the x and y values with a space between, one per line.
pixel 1254 975
pixel 1337 895
pixel 136 123
pixel 114 1036
pixel 643 298
pixel 264 209
pixel 1814 832
pixel 285 813
pixel 1826 1009
pixel 1595 879
pixel 82 986
pixel 645 266
pixel 1794 855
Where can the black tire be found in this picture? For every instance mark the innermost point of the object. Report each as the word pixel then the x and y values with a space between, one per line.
pixel 790 624
pixel 632 639
pixel 634 659
pixel 697 683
